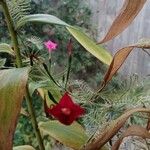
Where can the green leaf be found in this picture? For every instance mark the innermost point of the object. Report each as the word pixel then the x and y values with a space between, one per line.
pixel 6 49
pixel 46 85
pixel 96 50
pixel 72 136
pixel 2 62
pixel 12 89
pixel 43 18
pixel 23 147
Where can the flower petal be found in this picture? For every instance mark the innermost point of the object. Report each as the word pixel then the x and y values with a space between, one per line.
pixel 78 111
pixel 67 120
pixel 55 111
pixel 50 45
pixel 66 101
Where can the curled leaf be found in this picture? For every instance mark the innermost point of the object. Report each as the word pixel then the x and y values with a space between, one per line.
pixel 112 129
pixel 128 12
pixel 132 131
pixel 118 59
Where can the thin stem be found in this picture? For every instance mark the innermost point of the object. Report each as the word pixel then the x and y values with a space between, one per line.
pixel 12 33
pixel 33 120
pixel 68 70
pixel 14 39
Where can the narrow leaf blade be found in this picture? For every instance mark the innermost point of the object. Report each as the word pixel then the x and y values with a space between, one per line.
pixel 43 18
pixel 116 63
pixel 118 59
pixel 83 39
pixel 96 50
pixel 129 11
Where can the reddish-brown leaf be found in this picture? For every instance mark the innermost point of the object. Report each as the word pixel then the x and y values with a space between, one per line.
pixel 112 129
pixel 132 131
pixel 12 89
pixel 118 59
pixel 129 11
pixel 116 63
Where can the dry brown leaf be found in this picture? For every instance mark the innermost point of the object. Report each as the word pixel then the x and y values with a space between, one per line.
pixel 116 63
pixel 118 59
pixel 112 129
pixel 132 131
pixel 128 12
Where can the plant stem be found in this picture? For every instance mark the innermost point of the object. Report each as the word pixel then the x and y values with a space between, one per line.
pixel 14 39
pixel 12 33
pixel 33 120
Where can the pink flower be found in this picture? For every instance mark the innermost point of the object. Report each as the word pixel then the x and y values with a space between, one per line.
pixel 66 111
pixel 50 45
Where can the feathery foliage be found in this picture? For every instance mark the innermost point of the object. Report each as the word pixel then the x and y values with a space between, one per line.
pixel 112 103
pixel 18 8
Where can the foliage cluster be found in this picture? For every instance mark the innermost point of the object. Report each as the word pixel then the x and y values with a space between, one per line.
pixel 82 63
pixel 107 112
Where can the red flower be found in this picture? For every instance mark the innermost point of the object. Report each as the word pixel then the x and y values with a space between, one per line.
pixel 66 111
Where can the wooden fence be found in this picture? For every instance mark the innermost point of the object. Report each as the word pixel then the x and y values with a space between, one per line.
pixel 104 12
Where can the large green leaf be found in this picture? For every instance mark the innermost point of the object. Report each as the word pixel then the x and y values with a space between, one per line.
pixel 12 89
pixel 72 136
pixel 23 147
pixel 6 48
pixel 43 18
pixel 83 39
pixel 96 50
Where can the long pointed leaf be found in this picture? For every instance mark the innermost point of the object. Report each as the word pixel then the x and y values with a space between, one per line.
pixel 43 18
pixel 112 129
pixel 119 58
pixel 12 90
pixel 82 38
pixel 129 11
pixel 96 50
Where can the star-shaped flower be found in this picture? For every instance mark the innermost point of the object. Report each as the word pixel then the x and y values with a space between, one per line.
pixel 66 111
pixel 50 45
